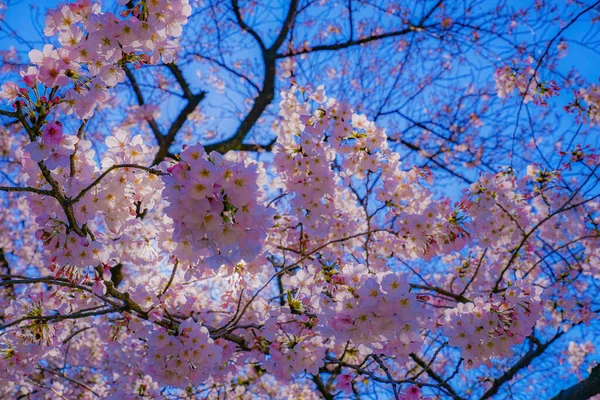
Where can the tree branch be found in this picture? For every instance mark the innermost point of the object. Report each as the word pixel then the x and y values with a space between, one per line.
pixel 140 98
pixel 11 114
pixel 83 385
pixel 169 138
pixel 58 317
pixel 368 39
pixel 109 170
pixel 584 389
pixel 267 93
pixel 443 383
pixel 349 43
pixel 321 387
pixel 6 267
pixel 285 29
pixel 244 26
pixel 460 298
pixel 185 87
pixel 41 192
pixel 522 363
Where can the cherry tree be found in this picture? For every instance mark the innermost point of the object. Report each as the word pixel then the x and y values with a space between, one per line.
pixel 300 199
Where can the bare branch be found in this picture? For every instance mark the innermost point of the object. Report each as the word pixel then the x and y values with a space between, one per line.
pixel 388 374
pixel 518 366
pixel 170 279
pixel 168 139
pixel 442 382
pixel 368 39
pixel 41 192
pixel 244 26
pixel 267 93
pixel 11 114
pixel 140 98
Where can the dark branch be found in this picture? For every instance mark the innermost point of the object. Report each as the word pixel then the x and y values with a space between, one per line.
pixel 140 98
pixel 433 375
pixel 244 26
pixel 169 138
pixel 267 93
pixel 41 192
pixel 165 141
pixel 355 42
pixel 349 43
pixel 522 363
pixel 5 268
pixel 322 388
pixel 584 389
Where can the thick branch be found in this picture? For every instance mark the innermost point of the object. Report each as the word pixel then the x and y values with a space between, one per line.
pixel 285 29
pixel 322 388
pixel 6 269
pixel 267 93
pixel 9 114
pixel 169 138
pixel 166 140
pixel 185 87
pixel 584 389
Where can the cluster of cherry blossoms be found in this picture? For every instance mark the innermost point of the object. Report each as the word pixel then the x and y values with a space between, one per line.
pixel 322 145
pixel 486 329
pixel 29 337
pixel 377 314
pixel 69 224
pixel 507 80
pixel 185 359
pixel 525 81
pixel 592 97
pixel 96 46
pixel 217 208
pixel 577 353
pixel 591 109
pixel 498 211
pixel 294 355
pixel 309 141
